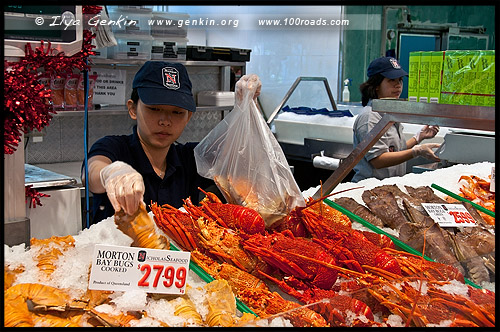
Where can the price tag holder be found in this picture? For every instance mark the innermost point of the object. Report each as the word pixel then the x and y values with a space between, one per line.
pixel 450 215
pixel 119 268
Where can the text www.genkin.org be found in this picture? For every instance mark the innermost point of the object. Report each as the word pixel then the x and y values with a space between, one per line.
pixel 195 22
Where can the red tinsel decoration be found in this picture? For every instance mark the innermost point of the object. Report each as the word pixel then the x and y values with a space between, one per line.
pixel 34 196
pixel 27 103
pixel 91 9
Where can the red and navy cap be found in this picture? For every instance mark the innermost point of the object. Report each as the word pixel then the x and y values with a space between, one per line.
pixel 164 83
pixel 387 67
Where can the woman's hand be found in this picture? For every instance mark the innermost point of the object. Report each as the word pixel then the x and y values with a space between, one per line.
pixel 425 150
pixel 124 186
pixel 426 132
pixel 248 86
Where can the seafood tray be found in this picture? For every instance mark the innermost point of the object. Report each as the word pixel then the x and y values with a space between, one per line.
pixel 332 274
pixel 471 249
pixel 329 294
pixel 41 274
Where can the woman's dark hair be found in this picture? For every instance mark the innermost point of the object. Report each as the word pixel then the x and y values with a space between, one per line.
pixel 368 88
pixel 134 96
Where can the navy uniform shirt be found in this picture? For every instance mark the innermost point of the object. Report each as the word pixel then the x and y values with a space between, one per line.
pixel 181 179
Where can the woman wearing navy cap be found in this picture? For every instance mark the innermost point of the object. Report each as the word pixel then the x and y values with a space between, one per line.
pixel 148 165
pixel 388 156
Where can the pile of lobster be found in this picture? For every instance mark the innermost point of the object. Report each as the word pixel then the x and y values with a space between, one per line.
pixel 342 277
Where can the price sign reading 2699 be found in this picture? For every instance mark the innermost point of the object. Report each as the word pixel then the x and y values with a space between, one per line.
pixel 119 268
pixel 168 275
pixel 449 215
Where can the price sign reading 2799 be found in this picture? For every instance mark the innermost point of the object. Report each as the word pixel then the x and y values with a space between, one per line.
pixel 119 268
pixel 168 275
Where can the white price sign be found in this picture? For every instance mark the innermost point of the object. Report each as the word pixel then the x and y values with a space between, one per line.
pixel 110 86
pixel 119 268
pixel 449 215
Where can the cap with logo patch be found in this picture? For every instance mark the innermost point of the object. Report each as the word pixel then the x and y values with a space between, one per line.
pixel 164 83
pixel 387 67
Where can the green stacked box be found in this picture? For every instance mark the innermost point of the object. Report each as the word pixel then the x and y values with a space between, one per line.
pixel 468 78
pixel 436 70
pixel 490 92
pixel 423 79
pixel 413 85
pixel 484 87
pixel 471 58
pixel 452 77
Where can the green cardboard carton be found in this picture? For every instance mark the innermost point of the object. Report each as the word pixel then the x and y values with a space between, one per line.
pixel 436 71
pixel 423 81
pixel 414 65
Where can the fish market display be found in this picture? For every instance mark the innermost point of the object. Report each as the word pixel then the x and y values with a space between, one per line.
pixel 320 261
pixel 313 268
pixel 403 213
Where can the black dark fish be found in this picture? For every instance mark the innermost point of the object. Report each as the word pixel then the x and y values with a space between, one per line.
pixel 425 194
pixel 359 210
pixel 383 204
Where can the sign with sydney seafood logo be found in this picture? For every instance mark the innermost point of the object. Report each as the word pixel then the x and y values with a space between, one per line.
pixel 119 268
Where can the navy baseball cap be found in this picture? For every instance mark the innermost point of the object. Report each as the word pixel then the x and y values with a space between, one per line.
pixel 164 83
pixel 387 67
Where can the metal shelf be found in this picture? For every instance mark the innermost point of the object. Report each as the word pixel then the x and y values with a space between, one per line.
pixel 121 109
pixel 456 116
pixel 127 62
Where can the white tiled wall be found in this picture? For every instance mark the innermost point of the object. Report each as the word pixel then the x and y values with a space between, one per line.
pixel 278 56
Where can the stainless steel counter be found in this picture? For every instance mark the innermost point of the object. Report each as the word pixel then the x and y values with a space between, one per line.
pixel 67 169
pixel 60 213
pixel 43 178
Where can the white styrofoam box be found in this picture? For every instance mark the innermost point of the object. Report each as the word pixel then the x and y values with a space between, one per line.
pixel 216 98
pixel 131 47
pixel 130 20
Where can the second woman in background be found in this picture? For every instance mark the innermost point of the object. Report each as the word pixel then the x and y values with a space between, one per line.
pixel 388 156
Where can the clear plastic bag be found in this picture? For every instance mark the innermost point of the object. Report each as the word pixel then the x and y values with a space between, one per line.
pixel 245 160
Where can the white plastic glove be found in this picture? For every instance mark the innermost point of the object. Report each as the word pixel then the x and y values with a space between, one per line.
pixel 124 186
pixel 425 150
pixel 247 87
pixel 426 132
